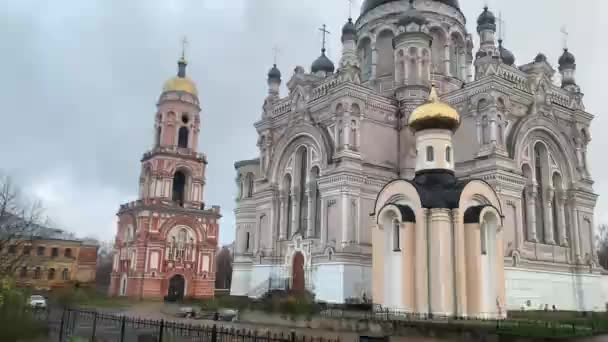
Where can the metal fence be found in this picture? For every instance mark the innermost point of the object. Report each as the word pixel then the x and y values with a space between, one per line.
pixel 100 327
pixel 585 325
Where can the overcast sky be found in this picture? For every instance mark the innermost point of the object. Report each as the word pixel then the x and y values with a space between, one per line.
pixel 79 81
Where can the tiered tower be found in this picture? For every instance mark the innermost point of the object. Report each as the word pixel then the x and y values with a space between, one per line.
pixel 167 239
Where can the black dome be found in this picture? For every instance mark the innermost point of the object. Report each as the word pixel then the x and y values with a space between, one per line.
pixel 322 64
pixel 274 73
pixel 349 31
pixel 369 5
pixel 412 15
pixel 540 58
pixel 566 60
pixel 486 20
pixel 507 56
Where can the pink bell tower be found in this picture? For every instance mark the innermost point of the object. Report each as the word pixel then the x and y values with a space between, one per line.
pixel 166 240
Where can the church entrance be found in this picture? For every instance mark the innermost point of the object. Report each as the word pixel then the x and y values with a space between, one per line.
pixel 297 275
pixel 176 288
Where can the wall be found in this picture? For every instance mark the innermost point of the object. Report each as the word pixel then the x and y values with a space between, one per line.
pixel 335 282
pixel 581 292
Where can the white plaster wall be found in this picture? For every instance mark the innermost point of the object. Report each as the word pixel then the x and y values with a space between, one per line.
pixel 328 282
pixel 577 292
pixel 335 282
pixel 439 140
pixel 241 279
pixel 260 274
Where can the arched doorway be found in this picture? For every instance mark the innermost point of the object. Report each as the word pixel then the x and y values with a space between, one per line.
pixel 176 289
pixel 297 272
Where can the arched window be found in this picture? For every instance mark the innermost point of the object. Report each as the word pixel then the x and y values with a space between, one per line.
pixel 540 169
pixel 65 274
pixel 456 49
pixel 179 188
pixel 37 273
pixel 448 154
pixel 250 185
pixel 303 196
pixel 412 67
pixel 396 237
pixel 182 140
pixel 365 56
pixel 386 54
pixel 51 275
pixel 430 154
pixel 67 253
pixel 483 235
pixel 289 209
pixel 485 130
pixel 438 51
pixel 158 135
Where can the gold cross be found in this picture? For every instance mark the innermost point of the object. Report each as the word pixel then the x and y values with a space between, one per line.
pixel 350 8
pixel 276 51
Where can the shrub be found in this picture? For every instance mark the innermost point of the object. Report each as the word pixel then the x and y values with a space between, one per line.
pixel 16 319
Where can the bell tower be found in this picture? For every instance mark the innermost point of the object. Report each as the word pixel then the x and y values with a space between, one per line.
pixel 173 171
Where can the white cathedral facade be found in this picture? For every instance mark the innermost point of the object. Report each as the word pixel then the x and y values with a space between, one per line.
pixel 329 147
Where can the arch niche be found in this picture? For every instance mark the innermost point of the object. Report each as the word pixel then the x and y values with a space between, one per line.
pixel 298 281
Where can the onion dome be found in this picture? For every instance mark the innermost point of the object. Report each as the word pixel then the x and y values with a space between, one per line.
pixel 486 20
pixel 540 58
pixel 434 114
pixel 349 31
pixel 369 5
pixel 274 73
pixel 567 61
pixel 322 64
pixel 180 83
pixel 507 56
pixel 412 15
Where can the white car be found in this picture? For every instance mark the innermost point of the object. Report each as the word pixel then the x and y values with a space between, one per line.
pixel 37 302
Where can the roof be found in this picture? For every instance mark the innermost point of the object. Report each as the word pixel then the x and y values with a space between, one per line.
pixel 369 5
pixel 242 163
pixel 33 231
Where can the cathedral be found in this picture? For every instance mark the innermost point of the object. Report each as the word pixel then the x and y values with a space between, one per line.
pixel 342 162
pixel 167 240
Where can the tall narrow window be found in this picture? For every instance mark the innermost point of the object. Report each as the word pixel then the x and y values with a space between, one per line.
pixel 182 140
pixel 540 209
pixel 288 210
pixel 430 154
pixel 483 234
pixel 23 272
pixel 179 188
pixel 396 237
pixel 158 135
pixel 250 185
pixel 247 241
pixel 303 214
pixel 65 275
pixel 67 253
pixel 40 250
pixel 37 273
pixel 55 252
pixel 448 154
pixel 51 275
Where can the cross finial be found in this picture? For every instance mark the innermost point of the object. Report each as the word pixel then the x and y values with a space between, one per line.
pixel 350 8
pixel 184 46
pixel 276 51
pixel 565 35
pixel 501 27
pixel 325 32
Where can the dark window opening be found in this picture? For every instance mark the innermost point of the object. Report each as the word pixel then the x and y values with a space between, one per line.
pixel 55 252
pixel 430 154
pixel 40 250
pixel 27 250
pixel 51 274
pixel 65 275
pixel 396 237
pixel 37 273
pixel 247 241
pixel 185 118
pixel 23 272
pixel 158 135
pixel 182 140
pixel 448 154
pixel 179 188
pixel 67 253
pixel 12 249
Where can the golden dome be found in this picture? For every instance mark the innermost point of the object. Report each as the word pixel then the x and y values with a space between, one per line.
pixel 434 114
pixel 180 84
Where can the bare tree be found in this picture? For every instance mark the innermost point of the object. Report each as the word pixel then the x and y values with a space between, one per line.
pixel 602 245
pixel 19 221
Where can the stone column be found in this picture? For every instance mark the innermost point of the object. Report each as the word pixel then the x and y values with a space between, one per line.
pixel 295 217
pixel 479 130
pixel 421 259
pixel 345 227
pixel 374 62
pixel 574 232
pixel 531 198
pixel 548 211
pixel 310 215
pixel 561 218
pixel 460 266
pixel 283 217
pixel 446 60
pixel 462 65
pixel 441 263
pixel 493 130
pixel 323 221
